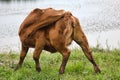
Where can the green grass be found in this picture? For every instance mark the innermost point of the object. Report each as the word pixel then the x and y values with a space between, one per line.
pixel 78 67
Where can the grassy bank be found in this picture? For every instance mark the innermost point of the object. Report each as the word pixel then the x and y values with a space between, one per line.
pixel 78 67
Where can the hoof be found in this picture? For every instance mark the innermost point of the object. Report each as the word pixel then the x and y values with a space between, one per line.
pixel 38 69
pixel 17 67
pixel 97 70
pixel 61 72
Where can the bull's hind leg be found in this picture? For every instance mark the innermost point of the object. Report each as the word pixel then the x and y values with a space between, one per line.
pixel 22 56
pixel 59 45
pixel 65 55
pixel 81 39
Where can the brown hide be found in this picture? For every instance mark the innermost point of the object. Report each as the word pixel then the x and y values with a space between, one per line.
pixel 37 19
pixel 53 36
pixel 62 30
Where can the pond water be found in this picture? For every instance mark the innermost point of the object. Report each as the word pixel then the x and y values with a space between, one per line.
pixel 100 20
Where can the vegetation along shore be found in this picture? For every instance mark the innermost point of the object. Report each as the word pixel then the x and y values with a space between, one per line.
pixel 78 67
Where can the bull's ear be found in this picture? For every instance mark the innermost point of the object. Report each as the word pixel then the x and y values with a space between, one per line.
pixel 38 11
pixel 73 24
pixel 73 21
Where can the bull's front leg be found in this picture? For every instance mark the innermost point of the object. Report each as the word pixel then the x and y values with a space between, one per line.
pixel 36 56
pixel 38 49
pixel 81 40
pixel 22 56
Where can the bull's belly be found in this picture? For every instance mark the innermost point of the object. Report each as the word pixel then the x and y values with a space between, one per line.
pixel 31 43
pixel 50 49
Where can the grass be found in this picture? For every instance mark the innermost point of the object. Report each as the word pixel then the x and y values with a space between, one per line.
pixel 78 67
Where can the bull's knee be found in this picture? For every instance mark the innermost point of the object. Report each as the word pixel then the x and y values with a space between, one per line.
pixel 66 53
pixel 36 59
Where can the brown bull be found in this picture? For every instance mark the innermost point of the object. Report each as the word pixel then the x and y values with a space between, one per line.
pixel 53 37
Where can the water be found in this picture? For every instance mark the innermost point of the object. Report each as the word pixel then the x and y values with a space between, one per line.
pixel 100 20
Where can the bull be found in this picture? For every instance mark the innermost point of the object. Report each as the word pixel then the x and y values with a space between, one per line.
pixel 52 30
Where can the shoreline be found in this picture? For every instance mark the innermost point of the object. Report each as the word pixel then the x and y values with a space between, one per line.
pixel 99 20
